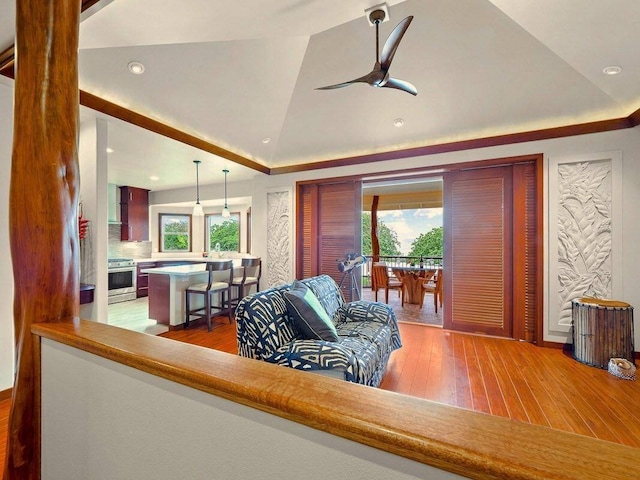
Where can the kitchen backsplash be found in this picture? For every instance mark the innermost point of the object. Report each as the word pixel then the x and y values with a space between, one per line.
pixel 118 249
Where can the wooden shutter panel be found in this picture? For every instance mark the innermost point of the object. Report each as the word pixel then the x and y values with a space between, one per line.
pixel 525 253
pixel 477 275
pixel 329 226
pixel 307 241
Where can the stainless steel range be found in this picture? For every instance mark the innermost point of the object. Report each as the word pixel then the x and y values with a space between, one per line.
pixel 122 279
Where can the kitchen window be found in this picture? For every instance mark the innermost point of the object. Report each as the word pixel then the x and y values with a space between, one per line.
pixel 175 233
pixel 223 231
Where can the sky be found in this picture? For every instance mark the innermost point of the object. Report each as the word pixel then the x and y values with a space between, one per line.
pixel 409 224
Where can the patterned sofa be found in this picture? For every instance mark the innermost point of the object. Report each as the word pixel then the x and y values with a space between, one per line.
pixel 367 333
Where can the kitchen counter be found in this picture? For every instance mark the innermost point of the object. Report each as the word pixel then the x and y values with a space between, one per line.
pixel 168 284
pixel 178 270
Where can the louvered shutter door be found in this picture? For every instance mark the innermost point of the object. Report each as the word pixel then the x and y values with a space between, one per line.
pixel 307 241
pixel 478 226
pixel 330 226
pixel 525 246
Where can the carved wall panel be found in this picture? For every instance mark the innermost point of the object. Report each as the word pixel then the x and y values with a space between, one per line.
pixel 581 224
pixel 279 238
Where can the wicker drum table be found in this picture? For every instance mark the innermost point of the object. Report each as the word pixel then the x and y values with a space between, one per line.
pixel 602 329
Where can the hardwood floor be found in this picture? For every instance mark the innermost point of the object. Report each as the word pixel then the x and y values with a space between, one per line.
pixel 494 376
pixel 501 377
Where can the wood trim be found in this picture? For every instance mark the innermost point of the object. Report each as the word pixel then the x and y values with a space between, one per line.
pixel 457 440
pixel 101 105
pixel 540 267
pixel 556 345
pixel 498 140
pixel 634 118
pixel 7 59
pixel 5 394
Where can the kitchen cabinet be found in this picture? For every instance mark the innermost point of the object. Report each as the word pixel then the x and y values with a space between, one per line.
pixel 134 214
pixel 86 293
pixel 142 279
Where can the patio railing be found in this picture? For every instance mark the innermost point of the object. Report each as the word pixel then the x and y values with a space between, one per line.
pixel 397 261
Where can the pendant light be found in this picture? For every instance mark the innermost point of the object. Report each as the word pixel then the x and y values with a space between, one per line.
pixel 197 209
pixel 225 210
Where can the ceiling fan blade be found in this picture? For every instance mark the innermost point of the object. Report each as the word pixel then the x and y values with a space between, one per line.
pixel 337 85
pixel 369 78
pixel 391 45
pixel 401 85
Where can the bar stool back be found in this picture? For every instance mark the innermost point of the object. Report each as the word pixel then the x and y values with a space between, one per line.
pixel 222 287
pixel 251 273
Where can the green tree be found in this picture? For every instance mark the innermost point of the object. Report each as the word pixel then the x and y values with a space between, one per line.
pixel 428 244
pixel 387 237
pixel 227 234
pixel 176 233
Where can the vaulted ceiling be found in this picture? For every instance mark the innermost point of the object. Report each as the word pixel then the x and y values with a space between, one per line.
pixel 237 73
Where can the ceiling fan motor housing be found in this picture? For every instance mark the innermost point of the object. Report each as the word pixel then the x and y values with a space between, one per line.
pixel 377 14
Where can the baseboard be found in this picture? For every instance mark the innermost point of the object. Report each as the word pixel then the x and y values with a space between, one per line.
pixel 4 394
pixel 567 347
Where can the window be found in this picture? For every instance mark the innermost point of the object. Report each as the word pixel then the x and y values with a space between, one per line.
pixel 223 231
pixel 175 233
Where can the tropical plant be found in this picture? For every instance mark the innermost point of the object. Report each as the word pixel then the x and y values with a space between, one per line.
pixel 430 244
pixel 387 237
pixel 227 234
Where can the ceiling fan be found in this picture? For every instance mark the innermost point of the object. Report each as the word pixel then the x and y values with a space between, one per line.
pixel 379 76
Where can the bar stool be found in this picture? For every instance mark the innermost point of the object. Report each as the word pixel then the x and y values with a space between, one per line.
pixel 251 272
pixel 223 288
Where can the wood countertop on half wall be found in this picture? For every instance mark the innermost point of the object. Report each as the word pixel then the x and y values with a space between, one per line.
pixel 460 441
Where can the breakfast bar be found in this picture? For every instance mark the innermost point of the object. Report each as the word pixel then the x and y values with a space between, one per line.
pixel 166 291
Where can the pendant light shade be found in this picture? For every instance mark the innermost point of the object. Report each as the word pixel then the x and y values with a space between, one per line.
pixel 197 209
pixel 225 211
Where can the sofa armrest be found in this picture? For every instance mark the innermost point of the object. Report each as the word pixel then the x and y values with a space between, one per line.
pixel 315 355
pixel 365 311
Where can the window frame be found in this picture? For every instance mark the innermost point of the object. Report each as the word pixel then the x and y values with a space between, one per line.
pixel 161 233
pixel 207 216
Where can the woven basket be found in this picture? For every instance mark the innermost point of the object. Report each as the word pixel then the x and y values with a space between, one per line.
pixel 622 368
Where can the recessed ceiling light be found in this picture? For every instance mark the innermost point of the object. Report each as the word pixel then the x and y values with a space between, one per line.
pixel 154 178
pixel 136 68
pixel 109 150
pixel 612 70
pixel 398 122
pixel 266 139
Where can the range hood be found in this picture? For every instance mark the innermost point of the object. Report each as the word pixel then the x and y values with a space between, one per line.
pixel 113 198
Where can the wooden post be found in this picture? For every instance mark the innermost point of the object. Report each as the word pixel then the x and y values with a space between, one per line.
pixel 43 204
pixel 375 243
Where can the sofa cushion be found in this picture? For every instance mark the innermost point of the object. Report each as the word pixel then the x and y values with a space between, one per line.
pixel 309 316
pixel 328 293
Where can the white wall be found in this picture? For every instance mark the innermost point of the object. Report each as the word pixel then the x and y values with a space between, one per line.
pixel 92 158
pixel 6 272
pixel 104 420
pixel 627 141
